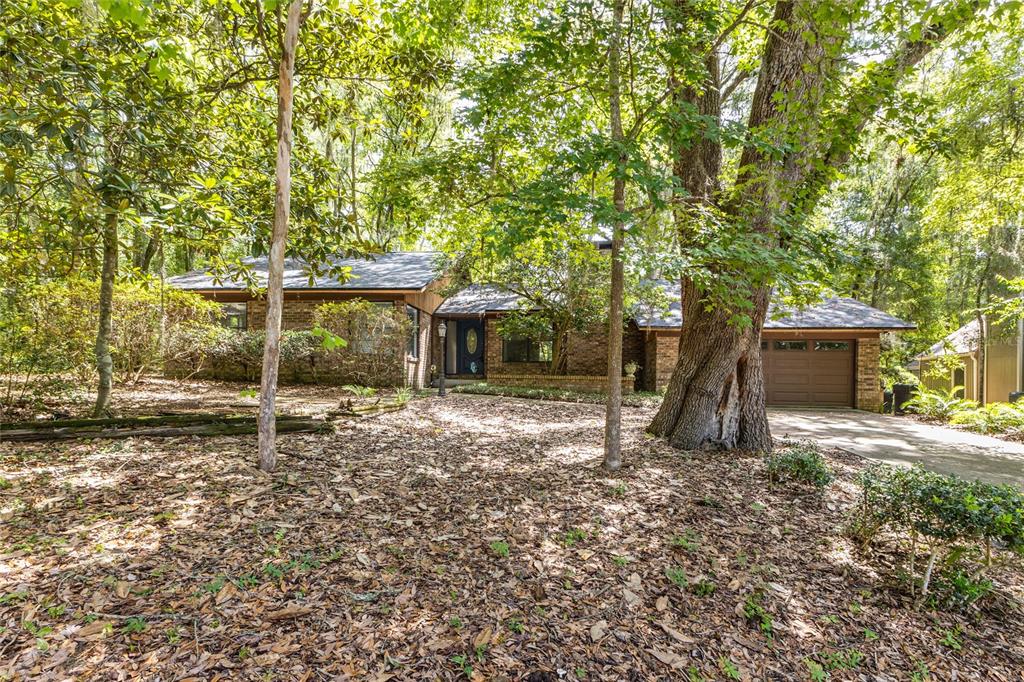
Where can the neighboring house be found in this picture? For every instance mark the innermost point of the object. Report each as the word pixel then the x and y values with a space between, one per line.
pixel 408 280
pixel 825 355
pixel 1004 361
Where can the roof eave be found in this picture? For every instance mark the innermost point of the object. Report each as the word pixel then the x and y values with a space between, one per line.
pixel 678 327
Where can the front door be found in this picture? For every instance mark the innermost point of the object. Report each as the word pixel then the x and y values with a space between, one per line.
pixel 470 349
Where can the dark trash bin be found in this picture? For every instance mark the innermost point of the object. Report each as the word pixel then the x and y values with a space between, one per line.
pixel 886 401
pixel 901 393
pixel 1017 395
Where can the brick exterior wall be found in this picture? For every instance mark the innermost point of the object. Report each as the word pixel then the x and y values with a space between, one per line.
pixel 493 364
pixel 418 368
pixel 587 353
pixel 867 385
pixel 660 354
pixel 296 315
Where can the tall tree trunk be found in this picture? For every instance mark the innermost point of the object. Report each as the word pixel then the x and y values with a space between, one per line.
pixel 352 176
pixel 104 361
pixel 716 393
pixel 279 236
pixel 613 409
pixel 139 244
pixel 979 315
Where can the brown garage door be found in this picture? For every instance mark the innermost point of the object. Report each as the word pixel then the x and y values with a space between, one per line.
pixel 808 372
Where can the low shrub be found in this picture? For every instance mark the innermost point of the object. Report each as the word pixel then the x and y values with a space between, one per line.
pixel 636 399
pixel 940 405
pixel 353 342
pixel 232 354
pixel 801 463
pixel 992 418
pixel 947 406
pixel 947 513
pixel 957 589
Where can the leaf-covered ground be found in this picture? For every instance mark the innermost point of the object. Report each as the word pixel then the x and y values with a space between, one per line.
pixel 472 535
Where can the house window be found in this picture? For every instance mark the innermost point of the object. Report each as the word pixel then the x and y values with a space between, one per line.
pixel 523 349
pixel 832 345
pixel 790 345
pixel 414 331
pixel 233 315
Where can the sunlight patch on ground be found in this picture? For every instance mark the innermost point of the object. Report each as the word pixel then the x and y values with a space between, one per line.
pixel 574 454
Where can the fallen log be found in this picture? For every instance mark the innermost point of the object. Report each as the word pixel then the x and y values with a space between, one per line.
pixel 202 425
pixel 148 420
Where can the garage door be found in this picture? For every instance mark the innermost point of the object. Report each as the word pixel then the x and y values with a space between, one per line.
pixel 808 372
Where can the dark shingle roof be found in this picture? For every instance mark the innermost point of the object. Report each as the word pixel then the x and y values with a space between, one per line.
pixel 478 299
pixel 963 340
pixel 834 313
pixel 831 313
pixel 396 270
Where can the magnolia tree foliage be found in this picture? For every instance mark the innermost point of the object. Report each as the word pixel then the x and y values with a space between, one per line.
pixel 46 330
pixel 138 136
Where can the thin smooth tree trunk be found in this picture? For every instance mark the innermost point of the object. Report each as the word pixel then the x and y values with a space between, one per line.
pixel 613 411
pixel 352 175
pixel 279 236
pixel 982 331
pixel 104 360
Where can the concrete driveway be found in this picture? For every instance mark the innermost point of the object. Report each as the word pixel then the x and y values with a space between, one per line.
pixel 903 440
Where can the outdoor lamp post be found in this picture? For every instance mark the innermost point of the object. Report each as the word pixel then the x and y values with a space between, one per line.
pixel 442 329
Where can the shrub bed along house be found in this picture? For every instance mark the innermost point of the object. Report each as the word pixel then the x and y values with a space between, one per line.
pixel 352 342
pixel 946 406
pixel 635 399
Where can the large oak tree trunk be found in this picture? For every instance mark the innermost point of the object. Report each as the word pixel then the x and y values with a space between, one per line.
pixel 104 360
pixel 716 394
pixel 279 236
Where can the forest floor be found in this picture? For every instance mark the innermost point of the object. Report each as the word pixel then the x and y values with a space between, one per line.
pixel 471 536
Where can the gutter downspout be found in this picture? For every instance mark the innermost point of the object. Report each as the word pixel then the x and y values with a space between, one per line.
pixel 1020 354
pixel 976 363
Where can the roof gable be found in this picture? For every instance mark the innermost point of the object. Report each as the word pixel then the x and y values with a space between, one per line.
pixel 963 340
pixel 412 270
pixel 478 299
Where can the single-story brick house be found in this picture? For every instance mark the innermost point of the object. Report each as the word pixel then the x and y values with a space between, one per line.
pixel 825 355
pixel 407 280
pixel 1004 361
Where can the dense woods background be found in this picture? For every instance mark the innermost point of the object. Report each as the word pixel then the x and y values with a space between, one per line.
pixel 137 141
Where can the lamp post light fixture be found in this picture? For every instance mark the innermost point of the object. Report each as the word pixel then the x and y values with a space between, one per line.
pixel 442 330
